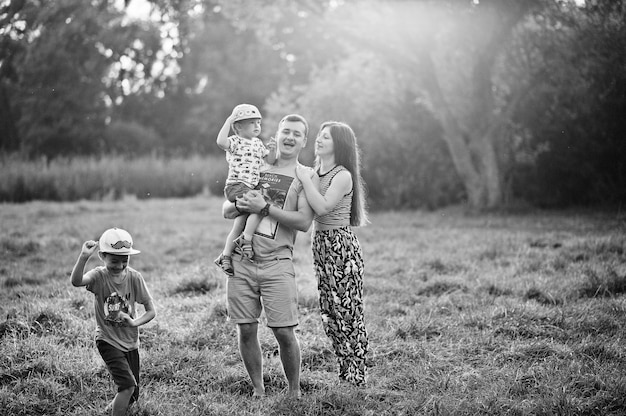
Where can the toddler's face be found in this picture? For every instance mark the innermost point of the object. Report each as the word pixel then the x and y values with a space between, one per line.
pixel 249 128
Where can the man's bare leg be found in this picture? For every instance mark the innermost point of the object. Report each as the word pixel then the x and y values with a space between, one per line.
pixel 250 351
pixel 290 358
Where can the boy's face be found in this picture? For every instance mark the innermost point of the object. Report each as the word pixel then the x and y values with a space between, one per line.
pixel 114 263
pixel 248 128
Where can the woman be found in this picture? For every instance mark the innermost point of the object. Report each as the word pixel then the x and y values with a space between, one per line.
pixel 337 198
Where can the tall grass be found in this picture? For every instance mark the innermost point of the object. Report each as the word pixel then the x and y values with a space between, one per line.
pixel 109 177
pixel 467 315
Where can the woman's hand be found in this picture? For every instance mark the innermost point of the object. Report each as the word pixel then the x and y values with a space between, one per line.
pixel 304 173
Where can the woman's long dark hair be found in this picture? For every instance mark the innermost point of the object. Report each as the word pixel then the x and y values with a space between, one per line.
pixel 348 154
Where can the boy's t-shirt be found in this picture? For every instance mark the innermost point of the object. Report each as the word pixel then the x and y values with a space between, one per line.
pixel 111 298
pixel 245 160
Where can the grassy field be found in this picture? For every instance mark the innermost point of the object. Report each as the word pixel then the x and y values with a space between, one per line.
pixel 468 315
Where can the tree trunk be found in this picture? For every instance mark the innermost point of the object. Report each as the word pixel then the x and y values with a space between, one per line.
pixel 471 141
pixel 492 177
pixel 473 152
pixel 477 166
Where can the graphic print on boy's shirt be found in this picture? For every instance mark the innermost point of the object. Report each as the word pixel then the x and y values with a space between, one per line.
pixel 113 305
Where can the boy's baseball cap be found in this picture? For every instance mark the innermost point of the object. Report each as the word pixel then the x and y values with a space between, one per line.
pixel 245 112
pixel 117 241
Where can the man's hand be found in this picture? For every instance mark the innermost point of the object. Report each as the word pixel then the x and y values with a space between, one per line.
pixel 271 144
pixel 251 201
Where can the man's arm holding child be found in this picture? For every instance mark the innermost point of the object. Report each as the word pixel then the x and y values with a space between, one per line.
pixel 300 219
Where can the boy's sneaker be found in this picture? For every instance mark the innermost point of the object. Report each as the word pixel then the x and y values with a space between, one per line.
pixel 246 247
pixel 224 263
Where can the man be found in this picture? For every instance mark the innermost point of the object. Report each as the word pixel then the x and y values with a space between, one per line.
pixel 268 282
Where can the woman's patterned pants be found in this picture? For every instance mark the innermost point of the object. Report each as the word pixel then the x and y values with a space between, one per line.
pixel 338 262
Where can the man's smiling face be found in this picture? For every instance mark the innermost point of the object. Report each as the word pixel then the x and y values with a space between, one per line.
pixel 290 138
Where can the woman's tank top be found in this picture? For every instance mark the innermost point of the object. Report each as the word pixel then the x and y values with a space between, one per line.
pixel 339 216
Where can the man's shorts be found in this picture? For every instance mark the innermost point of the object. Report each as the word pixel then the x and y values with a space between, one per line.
pixel 233 191
pixel 123 366
pixel 268 285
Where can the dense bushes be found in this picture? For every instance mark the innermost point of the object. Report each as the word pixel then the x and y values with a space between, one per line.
pixel 109 177
pixel 399 174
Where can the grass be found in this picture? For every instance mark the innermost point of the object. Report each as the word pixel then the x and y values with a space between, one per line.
pixel 468 315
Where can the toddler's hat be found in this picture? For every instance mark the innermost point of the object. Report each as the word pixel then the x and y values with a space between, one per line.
pixel 117 241
pixel 245 112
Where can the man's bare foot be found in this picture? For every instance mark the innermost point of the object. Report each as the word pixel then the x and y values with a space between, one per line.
pixel 258 394
pixel 295 394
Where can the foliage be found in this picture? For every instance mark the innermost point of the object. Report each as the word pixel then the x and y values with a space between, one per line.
pixel 219 65
pixel 571 128
pixel 485 314
pixel 110 177
pixel 405 162
pixel 56 57
pixel 129 138
pixel 512 100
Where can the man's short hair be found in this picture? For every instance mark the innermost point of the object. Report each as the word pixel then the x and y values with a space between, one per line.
pixel 296 118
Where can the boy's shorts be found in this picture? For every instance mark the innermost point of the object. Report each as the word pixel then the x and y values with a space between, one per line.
pixel 123 366
pixel 232 191
pixel 269 285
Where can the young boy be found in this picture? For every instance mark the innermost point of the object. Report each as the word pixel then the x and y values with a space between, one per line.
pixel 117 287
pixel 247 156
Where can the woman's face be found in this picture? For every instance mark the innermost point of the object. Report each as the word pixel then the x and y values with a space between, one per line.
pixel 324 143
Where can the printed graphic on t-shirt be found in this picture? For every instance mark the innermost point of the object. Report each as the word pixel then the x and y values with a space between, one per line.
pixel 275 191
pixel 113 305
pixel 245 158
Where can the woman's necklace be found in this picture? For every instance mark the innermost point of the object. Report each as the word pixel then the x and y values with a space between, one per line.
pixel 328 171
pixel 332 165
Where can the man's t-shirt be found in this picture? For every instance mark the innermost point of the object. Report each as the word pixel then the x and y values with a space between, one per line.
pixel 271 239
pixel 111 298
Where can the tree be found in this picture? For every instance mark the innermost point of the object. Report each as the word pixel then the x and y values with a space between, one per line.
pixel 53 66
pixel 569 130
pixel 220 62
pixel 448 53
pixel 405 162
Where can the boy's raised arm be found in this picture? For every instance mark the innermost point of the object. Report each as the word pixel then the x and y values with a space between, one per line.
pixel 222 136
pixel 78 272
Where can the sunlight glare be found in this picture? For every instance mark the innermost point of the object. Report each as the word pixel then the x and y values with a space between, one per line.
pixel 137 9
